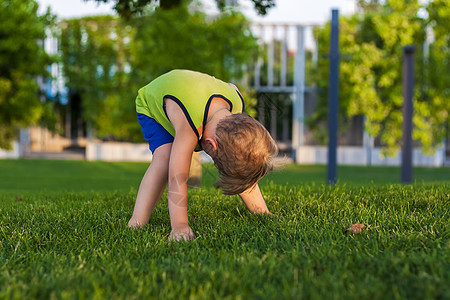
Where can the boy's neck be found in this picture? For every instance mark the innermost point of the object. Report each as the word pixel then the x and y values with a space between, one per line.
pixel 217 111
pixel 210 127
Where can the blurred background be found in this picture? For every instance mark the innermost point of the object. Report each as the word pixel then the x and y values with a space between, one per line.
pixel 70 71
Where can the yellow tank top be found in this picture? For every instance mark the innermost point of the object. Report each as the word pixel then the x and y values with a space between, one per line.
pixel 192 91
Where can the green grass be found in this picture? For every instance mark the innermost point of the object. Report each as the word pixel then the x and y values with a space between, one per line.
pixel 63 235
pixel 19 176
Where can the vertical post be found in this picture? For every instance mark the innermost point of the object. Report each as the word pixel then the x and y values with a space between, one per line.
pixel 259 61
pixel 68 125
pixel 270 54
pixel 299 96
pixel 315 52
pixel 333 98
pixel 258 76
pixel 285 137
pixel 273 118
pixel 283 70
pixel 261 111
pixel 368 144
pixel 408 92
pixel 24 142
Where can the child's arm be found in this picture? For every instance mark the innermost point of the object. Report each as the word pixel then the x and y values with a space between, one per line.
pixel 180 160
pixel 254 200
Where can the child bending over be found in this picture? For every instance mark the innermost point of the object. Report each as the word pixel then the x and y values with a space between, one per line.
pixel 184 111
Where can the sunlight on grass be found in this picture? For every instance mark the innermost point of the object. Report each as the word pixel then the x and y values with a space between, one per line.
pixel 63 238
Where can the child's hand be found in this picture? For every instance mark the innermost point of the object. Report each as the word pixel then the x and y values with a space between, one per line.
pixel 179 234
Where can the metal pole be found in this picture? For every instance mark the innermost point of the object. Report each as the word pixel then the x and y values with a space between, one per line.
pixel 408 92
pixel 299 95
pixel 333 98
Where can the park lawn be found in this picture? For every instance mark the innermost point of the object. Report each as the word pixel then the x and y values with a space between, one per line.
pixel 63 235
pixel 22 176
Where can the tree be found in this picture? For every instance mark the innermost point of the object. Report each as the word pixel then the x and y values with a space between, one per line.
pixel 22 60
pixel 433 108
pixel 180 39
pixel 106 60
pixel 370 74
pixel 128 8
pixel 96 57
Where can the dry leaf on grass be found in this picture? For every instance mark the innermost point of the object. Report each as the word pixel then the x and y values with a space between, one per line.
pixel 355 228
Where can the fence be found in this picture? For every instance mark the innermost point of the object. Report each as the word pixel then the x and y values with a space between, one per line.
pixel 299 101
pixel 288 37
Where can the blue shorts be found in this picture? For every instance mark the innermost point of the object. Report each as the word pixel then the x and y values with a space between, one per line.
pixel 154 133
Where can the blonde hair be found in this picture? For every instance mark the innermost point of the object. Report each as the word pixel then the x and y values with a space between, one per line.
pixel 244 155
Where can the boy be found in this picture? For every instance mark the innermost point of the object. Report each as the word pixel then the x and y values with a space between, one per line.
pixel 184 111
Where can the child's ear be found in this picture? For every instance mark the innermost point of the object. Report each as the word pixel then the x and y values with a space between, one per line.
pixel 209 145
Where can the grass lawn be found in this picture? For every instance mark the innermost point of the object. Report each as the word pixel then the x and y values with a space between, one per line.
pixel 63 235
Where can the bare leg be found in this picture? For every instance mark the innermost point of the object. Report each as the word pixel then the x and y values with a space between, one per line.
pixel 152 186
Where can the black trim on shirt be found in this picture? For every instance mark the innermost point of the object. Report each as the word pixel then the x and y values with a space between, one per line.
pixel 205 114
pixel 188 117
pixel 242 99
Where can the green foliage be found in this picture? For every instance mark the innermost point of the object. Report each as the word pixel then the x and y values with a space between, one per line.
pixel 22 60
pixel 96 55
pixel 129 8
pixel 106 60
pixel 49 118
pixel 72 241
pixel 433 107
pixel 183 40
pixel 370 75
pixel 180 40
pixel 261 6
